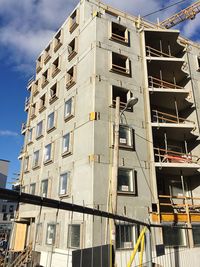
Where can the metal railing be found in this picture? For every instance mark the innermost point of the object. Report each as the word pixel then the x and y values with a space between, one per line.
pixel 170 156
pixel 163 117
pixel 158 83
pixel 150 51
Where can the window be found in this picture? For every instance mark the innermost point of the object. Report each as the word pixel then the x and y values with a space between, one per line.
pixel 72 49
pixel 39 64
pixel 66 144
pixel 39 129
pixel 126 181
pixel 33 111
pixel 55 67
pixel 4 208
pixel 63 187
pixel 174 236
pixel 51 121
pixel 35 88
pixel 120 64
pixel 68 109
pixel 30 135
pixel 53 93
pixel 125 236
pixel 119 33
pixel 124 95
pixel 45 79
pixel 23 189
pixel 71 77
pixel 44 188
pixel 51 234
pixel 32 188
pixel 47 54
pixel 198 63
pixel 26 164
pixel 42 102
pixel 74 231
pixel 48 153
pixel 196 234
pixel 5 216
pixel 125 136
pixel 73 22
pixel 36 155
pixel 39 233
pixel 58 41
pixel 11 208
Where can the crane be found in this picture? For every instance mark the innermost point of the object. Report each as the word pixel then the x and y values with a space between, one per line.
pixel 188 13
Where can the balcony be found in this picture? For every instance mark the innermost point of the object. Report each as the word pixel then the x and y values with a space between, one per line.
pixel 27 103
pixel 23 128
pixel 177 209
pixel 173 159
pixel 163 119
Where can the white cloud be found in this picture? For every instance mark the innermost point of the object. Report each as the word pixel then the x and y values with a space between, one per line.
pixel 8 133
pixel 27 26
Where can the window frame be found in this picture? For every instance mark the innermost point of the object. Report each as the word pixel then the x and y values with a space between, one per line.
pixel 30 136
pixel 69 150
pixel 43 194
pixel 53 97
pixel 71 114
pixel 54 121
pixel 118 69
pixel 124 93
pixel 31 186
pixel 72 52
pixel 129 244
pixel 54 234
pixel 71 78
pixel 26 164
pixel 39 134
pixel 130 142
pixel 34 165
pixel 74 20
pixel 69 235
pixel 66 193
pixel 126 189
pixel 195 225
pixel 50 156
pixel 118 38
pixel 184 237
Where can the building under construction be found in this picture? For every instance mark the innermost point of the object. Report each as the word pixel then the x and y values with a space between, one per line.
pixel 97 55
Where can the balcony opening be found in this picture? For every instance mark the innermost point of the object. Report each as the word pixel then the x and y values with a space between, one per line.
pixel 33 111
pixel 198 63
pixel 45 79
pixel 71 77
pixel 53 93
pixel 163 44
pixel 35 88
pixel 39 64
pixel 73 22
pixel 119 33
pixel 124 95
pixel 55 67
pixel 72 49
pixel 120 64
pixel 42 103
pixel 58 41
pixel 47 54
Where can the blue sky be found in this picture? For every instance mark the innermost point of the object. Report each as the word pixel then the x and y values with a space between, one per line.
pixel 26 26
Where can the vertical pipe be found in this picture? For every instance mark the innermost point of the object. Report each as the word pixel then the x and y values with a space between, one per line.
pixel 148 248
pixel 176 107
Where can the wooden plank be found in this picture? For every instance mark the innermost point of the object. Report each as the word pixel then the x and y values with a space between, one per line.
pixel 175 217
pixel 20 237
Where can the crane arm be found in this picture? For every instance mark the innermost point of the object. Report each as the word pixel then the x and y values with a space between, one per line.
pixel 187 13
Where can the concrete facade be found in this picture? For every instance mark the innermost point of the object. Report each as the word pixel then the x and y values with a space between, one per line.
pixel 100 53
